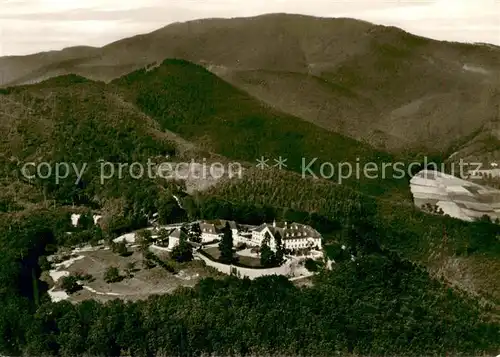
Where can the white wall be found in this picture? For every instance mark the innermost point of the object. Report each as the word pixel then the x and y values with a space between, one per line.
pixel 248 272
pixel 208 237
pixel 76 217
pixel 258 238
pixel 240 239
pixel 172 242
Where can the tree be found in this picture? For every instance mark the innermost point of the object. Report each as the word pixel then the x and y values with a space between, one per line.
pixel 169 210
pixel 241 246
pixel 86 221
pixel 485 219
pixel 163 237
pixel 311 265
pixel 182 252
pixel 267 239
pixel 147 262
pixel 280 250
pixel 226 245
pixel 112 275
pixel 43 263
pixel 129 269
pixel 144 238
pixel 267 257
pixel 120 248
pixel 195 233
pixel 97 235
pixel 50 248
pixel 184 228
pixel 189 205
pixel 70 284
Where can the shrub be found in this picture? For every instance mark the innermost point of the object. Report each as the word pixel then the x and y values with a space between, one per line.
pixel 70 284
pixel 183 252
pixel 112 275
pixel 130 269
pixel 148 263
pixel 144 238
pixel 50 248
pixel 241 246
pixel 120 249
pixel 84 277
pixel 169 266
pixel 313 265
pixel 162 239
pixel 43 263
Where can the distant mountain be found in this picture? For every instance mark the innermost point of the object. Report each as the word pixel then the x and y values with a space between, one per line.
pixel 373 83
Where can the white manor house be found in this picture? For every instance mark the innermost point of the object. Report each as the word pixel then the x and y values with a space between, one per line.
pixel 293 235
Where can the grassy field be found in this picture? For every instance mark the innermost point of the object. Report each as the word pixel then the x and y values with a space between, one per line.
pixel 140 284
pixel 244 260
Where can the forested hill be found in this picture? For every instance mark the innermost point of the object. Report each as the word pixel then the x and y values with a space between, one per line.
pixel 175 100
pixel 193 102
pixel 398 296
pixel 378 305
pixel 371 83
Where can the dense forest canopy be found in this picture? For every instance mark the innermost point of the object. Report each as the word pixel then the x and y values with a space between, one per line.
pixel 379 304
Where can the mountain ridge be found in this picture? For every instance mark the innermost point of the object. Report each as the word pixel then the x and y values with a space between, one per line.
pixel 408 92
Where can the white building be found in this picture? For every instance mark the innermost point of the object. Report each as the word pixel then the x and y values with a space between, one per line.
pixel 174 237
pixel 214 230
pixel 241 234
pixel 209 232
pixel 75 218
pixel 234 229
pixel 293 235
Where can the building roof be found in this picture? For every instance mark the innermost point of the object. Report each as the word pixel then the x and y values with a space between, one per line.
pixel 177 233
pixel 221 224
pixel 217 226
pixel 261 227
pixel 290 230
pixel 208 227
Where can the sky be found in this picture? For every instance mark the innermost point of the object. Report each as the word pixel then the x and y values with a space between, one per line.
pixel 29 26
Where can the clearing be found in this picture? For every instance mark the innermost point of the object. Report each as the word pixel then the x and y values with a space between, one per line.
pixel 140 284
